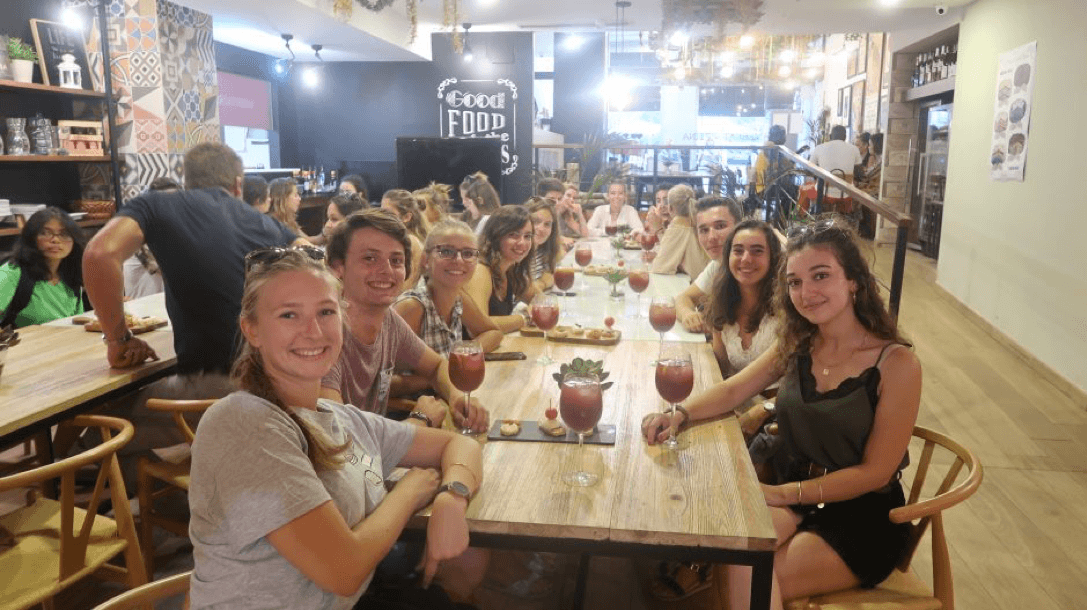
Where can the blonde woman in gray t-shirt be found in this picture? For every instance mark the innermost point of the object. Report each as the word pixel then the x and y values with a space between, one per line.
pixel 288 502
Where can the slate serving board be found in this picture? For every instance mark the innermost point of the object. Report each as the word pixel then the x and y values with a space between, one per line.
pixel 530 432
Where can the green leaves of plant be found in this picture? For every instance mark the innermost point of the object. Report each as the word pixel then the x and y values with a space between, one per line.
pixel 580 367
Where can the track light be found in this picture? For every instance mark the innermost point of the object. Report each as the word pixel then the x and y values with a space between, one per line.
pixel 468 55
pixel 317 51
pixel 283 66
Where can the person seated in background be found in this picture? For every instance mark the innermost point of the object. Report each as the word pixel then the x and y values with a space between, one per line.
pixel 435 310
pixel 288 501
pixel 616 213
pixel 284 201
pixel 549 250
pixel 765 171
pixel 340 206
pixel 502 277
pixel 867 174
pixel 660 214
pixel 714 218
pixel 434 200
pixel 43 279
pixel 371 254
pixel 142 276
pixel 550 188
pixel 403 204
pixel 849 396
pixel 354 183
pixel 837 157
pixel 200 237
pixel 255 193
pixel 679 248
pixel 480 200
pixel 572 217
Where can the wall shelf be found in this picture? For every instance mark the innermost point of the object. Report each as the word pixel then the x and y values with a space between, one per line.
pixel 931 89
pixel 10 85
pixel 54 159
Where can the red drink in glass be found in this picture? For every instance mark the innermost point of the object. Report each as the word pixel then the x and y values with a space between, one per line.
pixel 580 404
pixel 675 380
pixel 648 241
pixel 545 317
pixel 564 278
pixel 638 280
pixel 466 370
pixel 662 317
pixel 583 256
pixel 611 229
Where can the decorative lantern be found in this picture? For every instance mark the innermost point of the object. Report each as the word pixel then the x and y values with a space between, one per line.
pixel 71 77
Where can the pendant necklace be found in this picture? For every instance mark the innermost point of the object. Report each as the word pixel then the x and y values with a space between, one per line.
pixel 827 368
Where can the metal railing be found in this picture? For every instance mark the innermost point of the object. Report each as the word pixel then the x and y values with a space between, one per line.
pixel 800 166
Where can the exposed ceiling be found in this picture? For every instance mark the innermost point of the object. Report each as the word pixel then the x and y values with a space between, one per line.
pixel 257 24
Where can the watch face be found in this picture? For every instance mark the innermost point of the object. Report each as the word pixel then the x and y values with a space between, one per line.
pixel 457 488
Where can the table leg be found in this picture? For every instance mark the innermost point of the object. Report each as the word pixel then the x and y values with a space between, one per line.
pixel 582 579
pixel 762 581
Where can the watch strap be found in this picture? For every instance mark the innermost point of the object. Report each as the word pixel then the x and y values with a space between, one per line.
pixel 423 417
pixel 457 489
pixel 125 338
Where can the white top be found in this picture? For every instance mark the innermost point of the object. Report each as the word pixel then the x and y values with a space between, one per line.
pixel 139 282
pixel 602 218
pixel 840 155
pixel 704 281
pixel 738 357
pixel 482 223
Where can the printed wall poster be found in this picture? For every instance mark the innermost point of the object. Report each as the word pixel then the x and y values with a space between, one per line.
pixel 1011 121
pixel 481 109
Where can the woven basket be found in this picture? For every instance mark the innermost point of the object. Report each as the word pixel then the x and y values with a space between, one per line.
pixel 97 209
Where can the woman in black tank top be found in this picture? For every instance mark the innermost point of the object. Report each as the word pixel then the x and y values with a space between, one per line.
pixel 502 277
pixel 850 391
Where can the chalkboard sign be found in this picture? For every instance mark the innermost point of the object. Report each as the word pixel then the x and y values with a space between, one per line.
pixel 55 40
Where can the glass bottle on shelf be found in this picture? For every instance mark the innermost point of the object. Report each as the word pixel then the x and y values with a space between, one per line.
pixel 18 143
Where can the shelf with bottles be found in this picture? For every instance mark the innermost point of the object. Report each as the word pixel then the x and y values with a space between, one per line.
pixel 935 65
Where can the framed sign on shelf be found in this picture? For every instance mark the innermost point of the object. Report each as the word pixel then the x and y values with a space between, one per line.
pixel 54 41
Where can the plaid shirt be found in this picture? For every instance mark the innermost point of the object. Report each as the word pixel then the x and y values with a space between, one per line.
pixel 434 332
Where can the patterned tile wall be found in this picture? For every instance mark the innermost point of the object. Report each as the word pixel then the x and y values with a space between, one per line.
pixel 162 62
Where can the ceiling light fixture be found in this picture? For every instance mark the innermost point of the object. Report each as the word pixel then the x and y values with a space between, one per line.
pixel 747 41
pixel 310 77
pixel 573 42
pixel 283 66
pixel 468 55
pixel 787 56
pixel 317 51
pixel 71 19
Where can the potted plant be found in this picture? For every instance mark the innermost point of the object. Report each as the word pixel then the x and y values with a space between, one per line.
pixel 22 57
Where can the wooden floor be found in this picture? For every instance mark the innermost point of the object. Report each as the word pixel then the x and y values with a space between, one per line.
pixel 1017 544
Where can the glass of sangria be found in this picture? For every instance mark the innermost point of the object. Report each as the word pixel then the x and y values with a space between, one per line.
pixel 611 229
pixel 583 255
pixel 564 280
pixel 581 402
pixel 639 281
pixel 662 315
pixel 544 310
pixel 675 380
pixel 466 371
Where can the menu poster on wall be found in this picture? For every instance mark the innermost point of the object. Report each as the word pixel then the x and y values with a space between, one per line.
pixel 481 109
pixel 1011 122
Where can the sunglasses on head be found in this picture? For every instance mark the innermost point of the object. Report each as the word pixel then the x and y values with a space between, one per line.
pixel 265 256
pixel 815 228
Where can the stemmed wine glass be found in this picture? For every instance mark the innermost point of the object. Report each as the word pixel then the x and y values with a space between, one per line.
pixel 545 315
pixel 639 281
pixel 466 371
pixel 581 403
pixel 675 380
pixel 662 315
pixel 583 255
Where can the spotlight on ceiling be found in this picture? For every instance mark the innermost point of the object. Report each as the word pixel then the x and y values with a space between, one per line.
pixel 317 51
pixel 468 55
pixel 728 71
pixel 310 77
pixel 71 19
pixel 747 41
pixel 573 42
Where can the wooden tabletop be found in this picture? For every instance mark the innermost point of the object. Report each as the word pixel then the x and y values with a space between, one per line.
pixel 57 367
pixel 704 496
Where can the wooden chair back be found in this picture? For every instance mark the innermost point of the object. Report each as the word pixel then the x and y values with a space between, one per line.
pixel 74 542
pixel 178 408
pixel 172 586
pixel 922 514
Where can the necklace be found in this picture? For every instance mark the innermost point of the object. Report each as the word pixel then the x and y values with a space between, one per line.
pixel 828 367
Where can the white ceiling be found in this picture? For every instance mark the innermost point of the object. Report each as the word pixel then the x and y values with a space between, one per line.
pixel 257 24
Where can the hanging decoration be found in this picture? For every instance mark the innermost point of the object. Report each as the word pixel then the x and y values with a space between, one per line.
pixel 343 9
pixel 451 18
pixel 375 5
pixel 413 18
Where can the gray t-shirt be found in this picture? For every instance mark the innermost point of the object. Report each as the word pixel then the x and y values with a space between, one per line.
pixel 363 373
pixel 251 476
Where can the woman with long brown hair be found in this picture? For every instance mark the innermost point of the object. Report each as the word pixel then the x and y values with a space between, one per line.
pixel 288 499
pixel 848 401
pixel 403 204
pixel 480 200
pixel 502 277
pixel 549 250
pixel 284 201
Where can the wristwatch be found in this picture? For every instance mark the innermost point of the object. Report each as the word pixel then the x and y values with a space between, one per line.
pixel 125 338
pixel 457 489
pixel 423 417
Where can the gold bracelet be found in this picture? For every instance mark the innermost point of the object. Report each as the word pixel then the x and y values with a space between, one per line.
pixel 799 493
pixel 469 469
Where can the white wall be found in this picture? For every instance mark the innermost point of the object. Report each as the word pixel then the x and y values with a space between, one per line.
pixel 1015 252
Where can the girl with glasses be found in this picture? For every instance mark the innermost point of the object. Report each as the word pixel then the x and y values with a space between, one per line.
pixel 435 309
pixel 43 278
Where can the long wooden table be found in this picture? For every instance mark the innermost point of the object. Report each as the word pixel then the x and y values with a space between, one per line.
pixel 58 369
pixel 701 503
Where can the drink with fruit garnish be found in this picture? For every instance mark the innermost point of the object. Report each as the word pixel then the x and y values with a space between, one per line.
pixel 581 403
pixel 466 370
pixel 674 380
pixel 639 281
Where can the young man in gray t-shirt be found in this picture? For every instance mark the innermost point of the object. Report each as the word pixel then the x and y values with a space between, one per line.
pixel 371 253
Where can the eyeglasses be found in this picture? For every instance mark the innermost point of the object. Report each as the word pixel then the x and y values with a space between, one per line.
pixel 47 235
pixel 265 256
pixel 447 253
